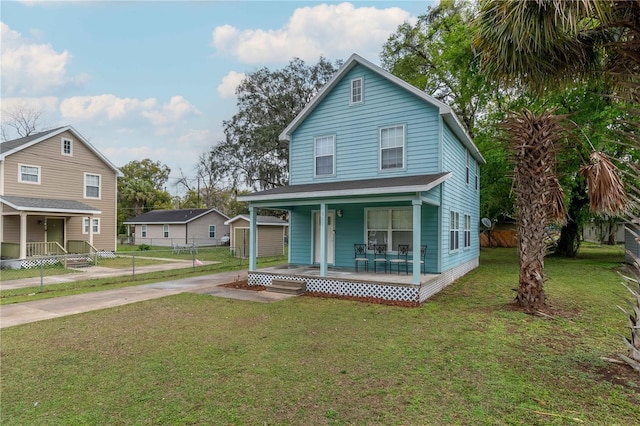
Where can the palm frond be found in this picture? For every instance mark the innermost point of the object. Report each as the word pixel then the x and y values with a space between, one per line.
pixel 606 189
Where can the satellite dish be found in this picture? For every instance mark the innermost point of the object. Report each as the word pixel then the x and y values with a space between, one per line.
pixel 486 222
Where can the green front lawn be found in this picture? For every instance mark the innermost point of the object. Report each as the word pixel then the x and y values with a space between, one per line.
pixel 465 357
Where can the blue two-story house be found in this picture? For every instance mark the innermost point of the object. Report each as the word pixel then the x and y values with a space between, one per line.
pixel 375 161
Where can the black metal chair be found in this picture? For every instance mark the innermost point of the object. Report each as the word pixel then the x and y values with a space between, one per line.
pixel 379 256
pixel 423 259
pixel 361 256
pixel 403 258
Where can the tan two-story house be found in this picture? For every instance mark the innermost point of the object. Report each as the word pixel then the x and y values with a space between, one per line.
pixel 57 195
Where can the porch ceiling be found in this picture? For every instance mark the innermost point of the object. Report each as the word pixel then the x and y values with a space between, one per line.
pixel 46 205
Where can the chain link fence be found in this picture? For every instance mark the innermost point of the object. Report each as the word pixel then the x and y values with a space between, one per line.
pixel 41 273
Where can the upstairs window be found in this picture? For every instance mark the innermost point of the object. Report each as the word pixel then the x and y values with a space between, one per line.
pixel 324 154
pixel 356 90
pixel 91 186
pixel 467 167
pixel 29 174
pixel 212 231
pixel 67 147
pixel 392 147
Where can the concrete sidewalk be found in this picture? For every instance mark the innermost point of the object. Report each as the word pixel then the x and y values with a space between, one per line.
pixel 38 310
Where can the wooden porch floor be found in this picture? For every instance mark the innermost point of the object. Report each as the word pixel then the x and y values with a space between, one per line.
pixel 349 274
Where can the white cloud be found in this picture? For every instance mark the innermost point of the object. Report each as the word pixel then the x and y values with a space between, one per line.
pixel 111 107
pixel 327 29
pixel 227 89
pixel 47 104
pixel 177 108
pixel 102 106
pixel 30 68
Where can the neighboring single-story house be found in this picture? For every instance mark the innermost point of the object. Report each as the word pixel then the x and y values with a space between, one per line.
pixel 199 227
pixel 271 234
pixel 602 233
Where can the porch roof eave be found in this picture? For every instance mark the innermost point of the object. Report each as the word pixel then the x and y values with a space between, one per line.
pixel 41 205
pixel 351 191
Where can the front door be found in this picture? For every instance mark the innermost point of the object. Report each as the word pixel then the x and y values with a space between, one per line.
pixel 331 218
pixel 55 231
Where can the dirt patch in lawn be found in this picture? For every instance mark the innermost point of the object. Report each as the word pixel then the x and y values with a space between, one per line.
pixel 620 374
pixel 244 285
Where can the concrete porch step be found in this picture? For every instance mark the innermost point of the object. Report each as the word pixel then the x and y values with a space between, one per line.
pixel 78 262
pixel 287 286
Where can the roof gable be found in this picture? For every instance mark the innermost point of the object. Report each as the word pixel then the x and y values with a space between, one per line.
pixel 261 220
pixel 15 145
pixel 444 110
pixel 172 216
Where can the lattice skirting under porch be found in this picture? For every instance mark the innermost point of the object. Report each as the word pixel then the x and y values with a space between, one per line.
pixel 342 287
pixel 446 278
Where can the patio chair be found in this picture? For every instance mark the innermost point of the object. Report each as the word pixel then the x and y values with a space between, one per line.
pixel 403 258
pixel 361 256
pixel 423 259
pixel 379 256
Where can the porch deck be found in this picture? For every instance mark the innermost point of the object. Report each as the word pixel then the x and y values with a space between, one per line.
pixel 348 282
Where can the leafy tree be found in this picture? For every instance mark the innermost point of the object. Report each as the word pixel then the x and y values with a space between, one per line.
pixel 252 153
pixel 208 188
pixel 142 188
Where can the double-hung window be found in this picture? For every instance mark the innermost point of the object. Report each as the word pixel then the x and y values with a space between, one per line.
pixel 91 186
pixel 357 86
pixel 29 174
pixel 324 154
pixel 165 231
pixel 467 231
pixel 392 147
pixel 212 231
pixel 67 147
pixel 454 231
pixel 95 223
pixel 390 226
pixel 143 231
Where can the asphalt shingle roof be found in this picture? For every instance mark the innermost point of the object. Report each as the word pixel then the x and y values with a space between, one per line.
pixel 15 143
pixel 170 216
pixel 46 204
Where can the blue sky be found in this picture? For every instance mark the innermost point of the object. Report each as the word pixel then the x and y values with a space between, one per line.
pixel 155 79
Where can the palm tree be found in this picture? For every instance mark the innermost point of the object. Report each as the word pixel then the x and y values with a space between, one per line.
pixel 538 45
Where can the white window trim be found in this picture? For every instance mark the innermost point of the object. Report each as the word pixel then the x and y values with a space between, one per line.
pixel 361 101
pixel 333 154
pixel 165 231
pixel 20 166
pixel 477 183
pixel 404 148
pixel 84 189
pixel 389 229
pixel 143 231
pixel 468 177
pixel 62 141
pixel 95 222
pixel 455 230
pixel 467 232
pixel 214 231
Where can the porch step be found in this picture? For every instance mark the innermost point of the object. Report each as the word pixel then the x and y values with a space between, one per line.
pixel 287 286
pixel 78 262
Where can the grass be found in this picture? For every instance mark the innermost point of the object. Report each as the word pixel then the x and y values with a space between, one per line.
pixel 465 357
pixel 225 262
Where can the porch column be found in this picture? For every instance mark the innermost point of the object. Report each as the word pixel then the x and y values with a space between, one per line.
pixel 23 235
pixel 90 229
pixel 417 232
pixel 253 220
pixel 323 239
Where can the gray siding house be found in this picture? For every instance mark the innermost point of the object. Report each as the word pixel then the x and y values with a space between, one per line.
pixel 375 161
pixel 199 227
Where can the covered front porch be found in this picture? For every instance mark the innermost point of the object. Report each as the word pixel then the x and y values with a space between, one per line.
pixel 31 227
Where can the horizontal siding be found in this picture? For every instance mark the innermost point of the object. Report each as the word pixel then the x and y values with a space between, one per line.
pixel 301 238
pixel 460 197
pixel 199 228
pixel 62 177
pixel 270 241
pixel 356 128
